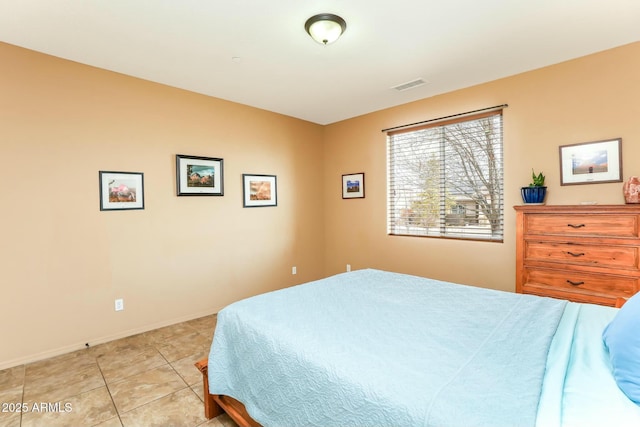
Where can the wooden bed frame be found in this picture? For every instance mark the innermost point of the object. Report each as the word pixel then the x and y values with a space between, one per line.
pixel 217 404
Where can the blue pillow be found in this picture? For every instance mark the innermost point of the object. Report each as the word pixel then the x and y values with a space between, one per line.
pixel 622 338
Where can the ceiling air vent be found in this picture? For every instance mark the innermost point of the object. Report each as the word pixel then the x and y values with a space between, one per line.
pixel 409 85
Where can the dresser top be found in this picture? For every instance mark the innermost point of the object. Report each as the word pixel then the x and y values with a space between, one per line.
pixel 626 208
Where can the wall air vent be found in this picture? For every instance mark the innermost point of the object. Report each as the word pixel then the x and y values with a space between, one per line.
pixel 409 85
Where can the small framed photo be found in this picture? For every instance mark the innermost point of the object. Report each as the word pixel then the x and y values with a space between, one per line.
pixel 199 176
pixel 259 190
pixel 121 190
pixel 591 162
pixel 353 186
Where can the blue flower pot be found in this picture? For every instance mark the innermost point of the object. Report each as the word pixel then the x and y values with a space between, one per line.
pixel 533 195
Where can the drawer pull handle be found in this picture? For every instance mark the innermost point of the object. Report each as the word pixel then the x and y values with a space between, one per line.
pixel 576 254
pixel 576 225
pixel 574 283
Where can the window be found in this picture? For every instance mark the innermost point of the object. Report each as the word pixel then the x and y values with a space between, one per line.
pixel 445 179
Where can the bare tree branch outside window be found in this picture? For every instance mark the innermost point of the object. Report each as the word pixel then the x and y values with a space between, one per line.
pixel 446 180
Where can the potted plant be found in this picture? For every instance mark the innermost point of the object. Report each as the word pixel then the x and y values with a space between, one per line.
pixel 536 191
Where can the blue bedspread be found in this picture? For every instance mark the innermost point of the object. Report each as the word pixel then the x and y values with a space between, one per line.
pixel 579 389
pixel 372 348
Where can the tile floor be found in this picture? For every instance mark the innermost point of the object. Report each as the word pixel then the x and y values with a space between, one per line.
pixel 144 380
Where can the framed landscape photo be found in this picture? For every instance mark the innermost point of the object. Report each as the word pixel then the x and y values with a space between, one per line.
pixel 353 186
pixel 259 190
pixel 199 176
pixel 591 162
pixel 121 190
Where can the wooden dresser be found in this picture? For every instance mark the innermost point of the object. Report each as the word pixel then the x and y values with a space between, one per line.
pixel 579 253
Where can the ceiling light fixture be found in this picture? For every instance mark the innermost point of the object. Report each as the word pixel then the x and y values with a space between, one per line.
pixel 325 28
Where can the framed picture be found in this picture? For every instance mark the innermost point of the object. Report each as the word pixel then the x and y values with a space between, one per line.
pixel 591 162
pixel 353 186
pixel 259 190
pixel 121 190
pixel 199 176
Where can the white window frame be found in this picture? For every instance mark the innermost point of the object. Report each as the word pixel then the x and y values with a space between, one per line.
pixel 433 166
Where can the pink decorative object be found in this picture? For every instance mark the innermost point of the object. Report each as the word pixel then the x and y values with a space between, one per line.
pixel 631 190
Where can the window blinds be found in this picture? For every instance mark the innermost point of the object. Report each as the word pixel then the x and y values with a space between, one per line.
pixel 445 179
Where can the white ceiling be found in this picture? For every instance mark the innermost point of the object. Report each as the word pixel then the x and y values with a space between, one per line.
pixel 191 44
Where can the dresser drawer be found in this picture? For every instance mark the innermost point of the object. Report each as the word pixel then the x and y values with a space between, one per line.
pixel 624 257
pixel 582 225
pixel 601 299
pixel 578 282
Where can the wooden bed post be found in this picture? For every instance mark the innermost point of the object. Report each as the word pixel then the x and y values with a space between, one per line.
pixel 211 408
pixel 217 404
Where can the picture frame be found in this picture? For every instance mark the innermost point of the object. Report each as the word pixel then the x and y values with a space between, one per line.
pixel 259 190
pixel 121 190
pixel 199 176
pixel 594 162
pixel 353 186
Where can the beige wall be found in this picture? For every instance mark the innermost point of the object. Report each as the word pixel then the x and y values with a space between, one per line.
pixel 587 99
pixel 63 261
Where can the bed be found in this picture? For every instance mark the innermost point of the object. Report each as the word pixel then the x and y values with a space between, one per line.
pixel 374 348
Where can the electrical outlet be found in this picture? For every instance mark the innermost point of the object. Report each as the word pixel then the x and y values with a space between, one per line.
pixel 294 270
pixel 348 268
pixel 119 304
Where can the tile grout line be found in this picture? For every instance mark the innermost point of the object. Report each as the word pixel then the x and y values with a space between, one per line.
pixel 153 345
pixel 154 400
pixel 106 385
pixel 162 340
pixel 24 382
